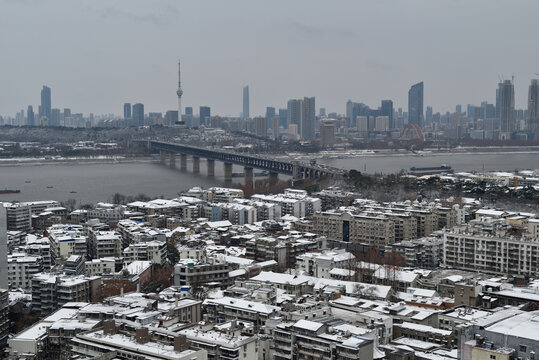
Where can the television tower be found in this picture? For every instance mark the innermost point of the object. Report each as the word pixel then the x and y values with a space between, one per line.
pixel 179 92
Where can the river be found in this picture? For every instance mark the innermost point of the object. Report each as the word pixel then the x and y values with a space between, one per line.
pixel 94 182
pixel 90 182
pixel 388 164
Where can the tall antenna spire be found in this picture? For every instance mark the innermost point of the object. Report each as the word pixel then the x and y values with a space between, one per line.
pixel 179 92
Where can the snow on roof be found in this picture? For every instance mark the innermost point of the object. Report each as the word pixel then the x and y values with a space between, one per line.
pixel 219 224
pixel 416 344
pixel 243 304
pixel 342 272
pixel 399 275
pixel 138 267
pixel 378 291
pixel 524 325
pixel 424 328
pixel 308 325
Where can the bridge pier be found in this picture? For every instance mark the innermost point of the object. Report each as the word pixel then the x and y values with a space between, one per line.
pixel 211 167
pixel 196 165
pixel 162 155
pixel 273 178
pixel 248 172
pixel 172 160
pixel 183 161
pixel 228 172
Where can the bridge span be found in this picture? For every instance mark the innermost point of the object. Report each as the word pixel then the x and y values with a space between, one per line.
pixel 294 169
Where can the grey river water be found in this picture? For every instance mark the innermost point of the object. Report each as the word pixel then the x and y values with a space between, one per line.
pixel 388 164
pixel 93 182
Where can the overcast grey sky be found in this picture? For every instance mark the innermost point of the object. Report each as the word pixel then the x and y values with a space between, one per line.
pixel 97 54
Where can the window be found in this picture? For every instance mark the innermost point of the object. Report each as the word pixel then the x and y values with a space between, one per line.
pixel 522 348
pixel 493 356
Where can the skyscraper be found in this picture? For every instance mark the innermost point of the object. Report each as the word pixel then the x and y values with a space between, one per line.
pixel 127 111
pixel 294 112
pixel 415 104
pixel 498 94
pixel 179 92
pixel 3 248
pixel 387 110
pixel 283 118
pixel 189 110
pixel 30 120
pixel 308 119
pixel 507 110
pixel 245 113
pixel 270 112
pixel 138 114
pixel 533 109
pixel 45 109
pixel 428 115
pixel 205 113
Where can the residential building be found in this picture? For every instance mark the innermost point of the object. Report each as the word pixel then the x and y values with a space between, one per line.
pixel 21 269
pixel 138 114
pixel 127 111
pixel 193 273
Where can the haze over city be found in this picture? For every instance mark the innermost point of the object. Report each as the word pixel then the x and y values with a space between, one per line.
pixel 96 55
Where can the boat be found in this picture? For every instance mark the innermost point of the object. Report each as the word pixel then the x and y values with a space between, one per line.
pixel 262 173
pixel 50 187
pixel 238 175
pixel 9 191
pixel 28 181
pixel 431 170
pixel 73 192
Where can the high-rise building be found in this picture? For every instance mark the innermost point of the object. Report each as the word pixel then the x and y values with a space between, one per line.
pixel 30 120
pixel 245 112
pixel 498 94
pixel 171 117
pixel 45 109
pixel 295 108
pixel 458 109
pixel 205 114
pixel 428 115
pixel 54 120
pixel 322 112
pixel 270 113
pixel 261 126
pixel 3 248
pixel 127 111
pixel 308 119
pixel 327 133
pixel 283 118
pixel 188 110
pixel 507 110
pixel 138 114
pixel 415 104
pixel 533 109
pixel 387 110
pixel 275 126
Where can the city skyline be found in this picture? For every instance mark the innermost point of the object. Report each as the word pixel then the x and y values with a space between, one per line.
pixel 382 73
